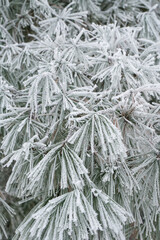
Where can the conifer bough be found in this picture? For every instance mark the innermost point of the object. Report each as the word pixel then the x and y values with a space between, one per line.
pixel 80 119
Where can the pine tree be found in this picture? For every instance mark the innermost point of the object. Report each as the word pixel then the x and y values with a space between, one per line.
pixel 79 119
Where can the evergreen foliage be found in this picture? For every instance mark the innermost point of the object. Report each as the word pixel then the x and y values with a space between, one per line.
pixel 80 119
